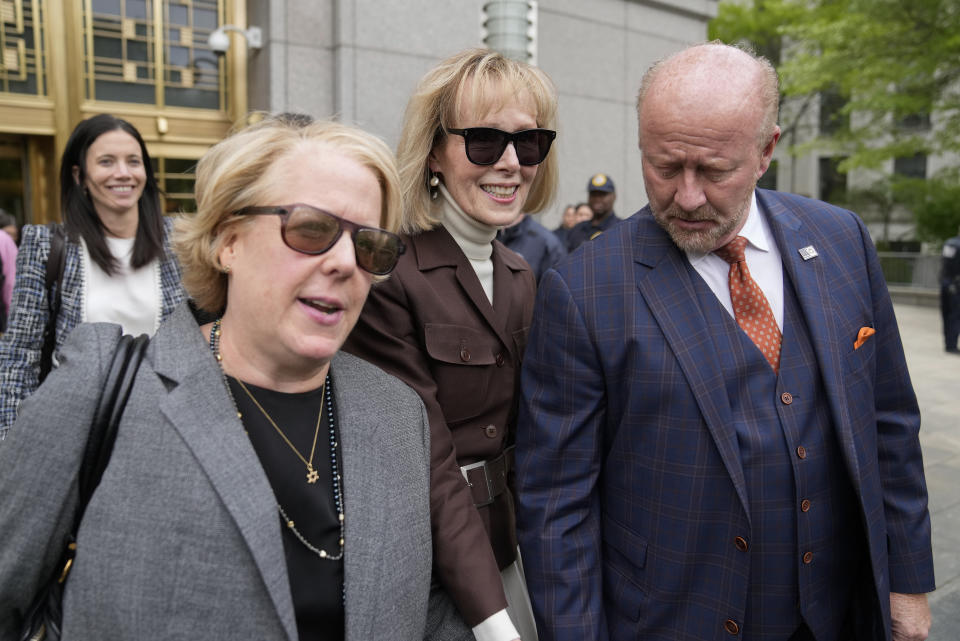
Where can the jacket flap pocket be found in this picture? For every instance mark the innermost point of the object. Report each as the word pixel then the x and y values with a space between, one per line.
pixel 459 345
pixel 632 546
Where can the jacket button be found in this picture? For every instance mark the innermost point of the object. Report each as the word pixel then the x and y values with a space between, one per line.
pixel 500 359
pixel 464 354
pixel 787 398
pixel 807 558
pixel 490 431
pixel 805 505
pixel 741 543
pixel 801 451
pixel 731 626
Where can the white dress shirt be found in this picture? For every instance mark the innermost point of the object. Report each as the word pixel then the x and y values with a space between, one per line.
pixel 763 260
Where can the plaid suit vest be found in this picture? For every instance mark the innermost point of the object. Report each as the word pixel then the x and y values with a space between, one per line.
pixel 804 545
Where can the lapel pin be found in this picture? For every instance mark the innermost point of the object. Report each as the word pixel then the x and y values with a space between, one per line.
pixel 808 252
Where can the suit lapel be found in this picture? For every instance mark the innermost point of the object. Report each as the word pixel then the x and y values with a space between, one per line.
pixel 664 282
pixel 364 509
pixel 820 311
pixel 200 409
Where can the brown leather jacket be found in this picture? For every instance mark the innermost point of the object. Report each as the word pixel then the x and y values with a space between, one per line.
pixel 432 326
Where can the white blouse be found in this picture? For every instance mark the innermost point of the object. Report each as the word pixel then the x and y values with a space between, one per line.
pixel 130 297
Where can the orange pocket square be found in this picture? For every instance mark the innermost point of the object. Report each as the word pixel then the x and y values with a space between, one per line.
pixel 862 336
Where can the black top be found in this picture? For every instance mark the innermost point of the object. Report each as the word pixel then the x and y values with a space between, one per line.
pixel 316 584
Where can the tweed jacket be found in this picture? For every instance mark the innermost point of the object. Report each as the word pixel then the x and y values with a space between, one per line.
pixel 182 538
pixel 20 346
pixel 630 481
pixel 432 326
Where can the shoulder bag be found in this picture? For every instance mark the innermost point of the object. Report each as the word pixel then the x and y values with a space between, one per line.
pixel 56 262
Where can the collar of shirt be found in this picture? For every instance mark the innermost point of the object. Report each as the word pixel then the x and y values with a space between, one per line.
pixel 763 260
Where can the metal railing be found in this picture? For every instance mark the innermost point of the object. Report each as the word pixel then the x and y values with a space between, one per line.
pixel 910 269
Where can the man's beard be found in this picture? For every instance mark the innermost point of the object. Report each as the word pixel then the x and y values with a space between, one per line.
pixel 699 241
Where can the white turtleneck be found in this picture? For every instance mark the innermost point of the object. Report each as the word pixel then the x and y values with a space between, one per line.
pixel 474 238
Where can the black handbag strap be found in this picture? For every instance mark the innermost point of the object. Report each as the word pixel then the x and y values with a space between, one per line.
pixel 42 619
pixel 53 281
pixel 103 429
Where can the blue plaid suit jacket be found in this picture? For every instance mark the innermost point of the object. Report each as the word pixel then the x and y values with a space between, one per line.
pixel 630 486
pixel 20 346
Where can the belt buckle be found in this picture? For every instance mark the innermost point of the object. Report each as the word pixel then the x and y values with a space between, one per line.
pixel 466 469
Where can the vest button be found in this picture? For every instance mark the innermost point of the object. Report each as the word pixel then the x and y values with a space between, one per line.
pixel 490 431
pixel 464 354
pixel 787 398
pixel 500 359
pixel 807 558
pixel 802 451
pixel 805 505
pixel 731 626
pixel 741 543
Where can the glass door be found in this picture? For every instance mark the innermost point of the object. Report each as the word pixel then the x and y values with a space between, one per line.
pixel 13 176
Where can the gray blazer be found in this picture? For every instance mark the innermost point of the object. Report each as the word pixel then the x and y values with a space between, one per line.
pixel 182 538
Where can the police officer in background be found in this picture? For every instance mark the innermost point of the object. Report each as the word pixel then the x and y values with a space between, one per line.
pixel 950 293
pixel 602 195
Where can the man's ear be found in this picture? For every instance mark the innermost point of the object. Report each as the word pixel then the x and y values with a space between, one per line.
pixel 766 154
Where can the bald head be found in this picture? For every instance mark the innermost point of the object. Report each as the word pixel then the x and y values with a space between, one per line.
pixel 723 78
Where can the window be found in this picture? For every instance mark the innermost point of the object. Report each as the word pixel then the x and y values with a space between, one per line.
pixel 21 47
pixel 832 119
pixel 124 63
pixel 914 166
pixel 833 184
pixel 914 122
pixel 175 177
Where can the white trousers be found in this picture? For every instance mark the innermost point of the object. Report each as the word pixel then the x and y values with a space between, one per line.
pixel 518 601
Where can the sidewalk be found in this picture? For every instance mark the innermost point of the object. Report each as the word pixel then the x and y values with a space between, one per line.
pixel 936 380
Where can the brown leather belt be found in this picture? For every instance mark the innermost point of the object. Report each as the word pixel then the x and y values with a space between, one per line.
pixel 488 479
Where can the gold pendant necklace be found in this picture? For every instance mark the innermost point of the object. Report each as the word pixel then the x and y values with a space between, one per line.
pixel 312 474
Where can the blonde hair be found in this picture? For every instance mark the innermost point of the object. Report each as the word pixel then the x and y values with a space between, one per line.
pixel 767 81
pixel 231 175
pixel 484 81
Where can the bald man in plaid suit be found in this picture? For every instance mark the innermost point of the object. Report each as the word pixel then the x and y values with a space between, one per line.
pixel 678 478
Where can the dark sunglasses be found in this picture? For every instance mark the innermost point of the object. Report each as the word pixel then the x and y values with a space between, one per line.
pixel 485 145
pixel 313 231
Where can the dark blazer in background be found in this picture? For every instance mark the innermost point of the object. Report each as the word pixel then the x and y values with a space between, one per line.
pixel 432 326
pixel 182 538
pixel 622 392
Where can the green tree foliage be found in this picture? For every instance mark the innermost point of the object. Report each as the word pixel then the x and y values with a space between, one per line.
pixel 896 65
pixel 896 62
pixel 936 207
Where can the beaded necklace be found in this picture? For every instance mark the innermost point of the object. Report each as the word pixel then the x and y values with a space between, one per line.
pixel 215 332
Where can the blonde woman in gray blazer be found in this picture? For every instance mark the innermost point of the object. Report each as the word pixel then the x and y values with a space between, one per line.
pixel 262 486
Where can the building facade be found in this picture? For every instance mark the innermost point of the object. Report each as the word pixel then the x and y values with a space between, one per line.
pixel 149 61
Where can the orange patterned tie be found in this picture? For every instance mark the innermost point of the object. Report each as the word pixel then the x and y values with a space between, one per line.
pixel 750 306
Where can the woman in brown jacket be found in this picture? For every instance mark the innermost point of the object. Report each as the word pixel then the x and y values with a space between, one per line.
pixel 452 320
